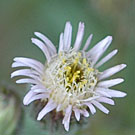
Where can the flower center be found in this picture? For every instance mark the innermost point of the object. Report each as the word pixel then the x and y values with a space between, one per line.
pixel 75 73
pixel 72 72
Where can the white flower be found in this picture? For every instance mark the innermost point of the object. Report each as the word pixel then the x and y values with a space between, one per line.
pixel 69 81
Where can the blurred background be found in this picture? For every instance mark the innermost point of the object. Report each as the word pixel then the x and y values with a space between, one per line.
pixel 19 19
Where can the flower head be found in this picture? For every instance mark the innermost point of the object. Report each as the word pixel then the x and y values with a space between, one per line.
pixel 69 81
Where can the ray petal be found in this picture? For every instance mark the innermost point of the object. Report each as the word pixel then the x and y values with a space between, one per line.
pixel 79 36
pixel 100 106
pixel 91 107
pixel 36 97
pixel 67 36
pixel 110 83
pixel 77 114
pixel 66 119
pixel 97 51
pixel 26 72
pixel 111 71
pixel 27 80
pixel 48 108
pixel 87 44
pixel 85 113
pixel 46 41
pixel 28 62
pixel 61 43
pixel 28 96
pixel 105 100
pixel 115 93
pixel 106 58
pixel 42 46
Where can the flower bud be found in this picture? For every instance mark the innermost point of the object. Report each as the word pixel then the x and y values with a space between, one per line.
pixel 9 111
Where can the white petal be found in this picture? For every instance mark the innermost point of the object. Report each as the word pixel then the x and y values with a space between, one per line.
pixel 77 114
pixel 111 71
pixel 91 107
pixel 110 83
pixel 103 93
pixel 48 108
pixel 58 108
pixel 27 97
pixel 61 43
pixel 38 86
pixel 66 119
pixel 17 64
pixel 68 110
pixel 97 51
pixel 89 99
pixel 106 58
pixel 26 72
pixel 36 97
pixel 105 100
pixel 27 80
pixel 100 46
pixel 85 113
pixel 40 91
pixel 79 36
pixel 42 46
pixel 115 93
pixel 38 66
pixel 67 36
pixel 46 41
pixel 100 106
pixel 87 42
pixel 66 125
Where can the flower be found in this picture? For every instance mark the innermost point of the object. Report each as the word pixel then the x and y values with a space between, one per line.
pixel 69 81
